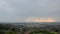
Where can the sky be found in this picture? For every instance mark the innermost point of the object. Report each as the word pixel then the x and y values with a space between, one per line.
pixel 29 10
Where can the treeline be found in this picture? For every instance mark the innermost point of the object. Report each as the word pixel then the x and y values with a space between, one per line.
pixel 8 29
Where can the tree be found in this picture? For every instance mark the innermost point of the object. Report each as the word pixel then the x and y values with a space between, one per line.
pixel 10 32
pixel 2 32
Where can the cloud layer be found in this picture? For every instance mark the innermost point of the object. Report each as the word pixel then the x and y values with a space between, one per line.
pixel 20 10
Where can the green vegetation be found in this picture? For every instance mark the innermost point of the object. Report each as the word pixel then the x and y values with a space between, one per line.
pixel 23 29
pixel 10 32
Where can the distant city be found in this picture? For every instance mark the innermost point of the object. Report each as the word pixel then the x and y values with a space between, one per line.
pixel 30 28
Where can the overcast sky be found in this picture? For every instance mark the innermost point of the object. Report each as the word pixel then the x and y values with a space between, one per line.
pixel 28 10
